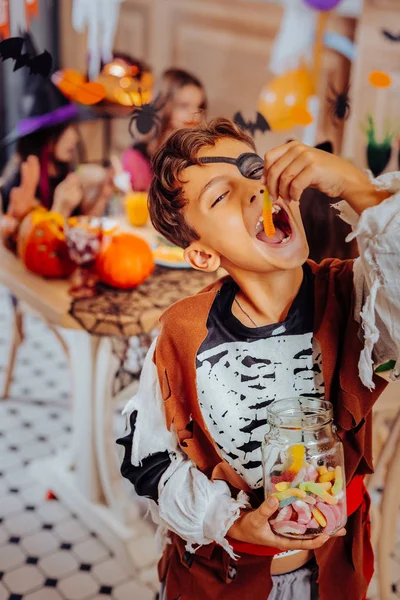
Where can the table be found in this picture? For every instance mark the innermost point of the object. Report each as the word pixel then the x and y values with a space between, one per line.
pixel 86 477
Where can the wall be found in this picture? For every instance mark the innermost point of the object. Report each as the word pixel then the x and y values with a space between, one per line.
pixel 226 43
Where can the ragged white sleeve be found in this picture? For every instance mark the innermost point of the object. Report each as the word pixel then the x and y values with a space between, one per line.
pixel 199 510
pixel 377 277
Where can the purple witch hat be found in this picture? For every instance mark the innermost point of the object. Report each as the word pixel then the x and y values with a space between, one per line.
pixel 42 104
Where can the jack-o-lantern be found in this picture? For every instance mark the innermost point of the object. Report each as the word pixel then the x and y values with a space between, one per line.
pixel 125 261
pixel 41 244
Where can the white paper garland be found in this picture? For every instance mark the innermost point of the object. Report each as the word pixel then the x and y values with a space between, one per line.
pixel 100 18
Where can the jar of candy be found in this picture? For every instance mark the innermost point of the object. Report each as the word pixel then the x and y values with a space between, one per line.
pixel 303 465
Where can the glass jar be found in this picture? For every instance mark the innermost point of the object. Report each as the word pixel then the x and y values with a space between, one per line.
pixel 303 465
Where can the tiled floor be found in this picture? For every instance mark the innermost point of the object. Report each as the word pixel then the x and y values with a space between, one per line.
pixel 46 552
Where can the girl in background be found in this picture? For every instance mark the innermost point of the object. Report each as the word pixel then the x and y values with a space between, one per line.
pixel 47 139
pixel 183 103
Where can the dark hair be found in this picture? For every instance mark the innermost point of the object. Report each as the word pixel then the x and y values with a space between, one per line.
pixel 166 199
pixel 35 142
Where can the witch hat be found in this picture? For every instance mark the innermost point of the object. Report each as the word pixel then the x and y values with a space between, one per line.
pixel 42 104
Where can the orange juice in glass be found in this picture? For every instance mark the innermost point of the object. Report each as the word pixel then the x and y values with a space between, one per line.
pixel 136 208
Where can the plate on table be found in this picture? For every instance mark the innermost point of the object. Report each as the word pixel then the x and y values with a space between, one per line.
pixel 168 255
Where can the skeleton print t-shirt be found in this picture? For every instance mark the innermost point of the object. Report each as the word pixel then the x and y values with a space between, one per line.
pixel 241 370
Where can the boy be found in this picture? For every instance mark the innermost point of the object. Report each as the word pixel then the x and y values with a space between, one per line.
pixel 198 420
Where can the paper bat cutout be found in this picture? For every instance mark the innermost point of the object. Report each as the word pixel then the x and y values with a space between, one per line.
pixel 11 48
pixel 260 124
pixel 391 36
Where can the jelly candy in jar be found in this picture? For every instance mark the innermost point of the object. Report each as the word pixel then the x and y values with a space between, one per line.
pixel 308 497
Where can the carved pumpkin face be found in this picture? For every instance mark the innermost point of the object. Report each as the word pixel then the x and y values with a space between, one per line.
pixel 125 261
pixel 41 244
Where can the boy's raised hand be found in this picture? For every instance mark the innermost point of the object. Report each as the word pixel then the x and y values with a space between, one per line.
pixel 253 527
pixel 293 167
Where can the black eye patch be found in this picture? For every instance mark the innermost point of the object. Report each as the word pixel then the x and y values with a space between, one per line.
pixel 249 164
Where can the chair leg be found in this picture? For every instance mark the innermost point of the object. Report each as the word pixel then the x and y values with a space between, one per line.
pixel 16 341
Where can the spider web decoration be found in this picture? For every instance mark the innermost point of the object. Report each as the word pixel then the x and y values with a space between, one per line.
pixel 135 312
pixel 130 353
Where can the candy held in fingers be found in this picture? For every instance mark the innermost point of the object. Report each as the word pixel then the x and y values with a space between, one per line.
pixel 319 517
pixel 269 226
pixel 303 512
pixel 289 527
pixel 329 517
pixel 285 477
pixel 328 476
pixel 290 492
pixel 338 485
pixel 285 514
pixel 287 501
pixel 318 490
pixel 282 486
pixel 298 454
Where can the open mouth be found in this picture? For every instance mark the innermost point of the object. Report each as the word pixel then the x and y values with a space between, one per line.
pixel 283 230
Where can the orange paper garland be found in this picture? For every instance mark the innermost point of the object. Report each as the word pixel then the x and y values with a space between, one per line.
pixel 4 20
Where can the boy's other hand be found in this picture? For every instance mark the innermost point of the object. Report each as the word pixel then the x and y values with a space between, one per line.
pixel 293 167
pixel 253 527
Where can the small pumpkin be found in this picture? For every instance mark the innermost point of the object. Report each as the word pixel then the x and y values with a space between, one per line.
pixel 125 261
pixel 41 244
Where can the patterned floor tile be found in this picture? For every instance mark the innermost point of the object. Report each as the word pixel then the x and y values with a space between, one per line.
pixel 78 586
pixel 25 579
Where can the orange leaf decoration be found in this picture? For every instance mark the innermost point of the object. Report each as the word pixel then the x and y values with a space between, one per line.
pixel 269 226
pixel 74 86
pixel 379 79
pixel 90 93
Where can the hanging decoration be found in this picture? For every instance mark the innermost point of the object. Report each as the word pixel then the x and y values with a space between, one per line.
pixel 31 10
pixel 260 124
pixel 76 87
pixel 285 97
pixel 4 19
pixel 145 118
pixel 71 83
pixel 322 5
pixel 99 18
pixel 285 101
pixel 339 104
pixel 38 64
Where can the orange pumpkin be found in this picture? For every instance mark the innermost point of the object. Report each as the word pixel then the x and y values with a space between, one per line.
pixel 125 261
pixel 41 244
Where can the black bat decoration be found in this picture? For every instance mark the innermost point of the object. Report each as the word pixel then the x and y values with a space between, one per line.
pixel 390 36
pixel 11 48
pixel 260 124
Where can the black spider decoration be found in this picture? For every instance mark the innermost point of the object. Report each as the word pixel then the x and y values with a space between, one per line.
pixel 339 104
pixel 145 117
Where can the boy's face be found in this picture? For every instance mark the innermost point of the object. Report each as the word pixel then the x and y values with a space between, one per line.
pixel 225 209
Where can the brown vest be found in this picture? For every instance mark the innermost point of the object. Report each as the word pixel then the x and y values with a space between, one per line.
pixel 341 561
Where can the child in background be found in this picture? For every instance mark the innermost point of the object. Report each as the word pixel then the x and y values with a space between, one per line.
pixel 183 103
pixel 47 141
pixel 278 324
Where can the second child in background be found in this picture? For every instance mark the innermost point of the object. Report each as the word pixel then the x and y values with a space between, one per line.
pixel 184 103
